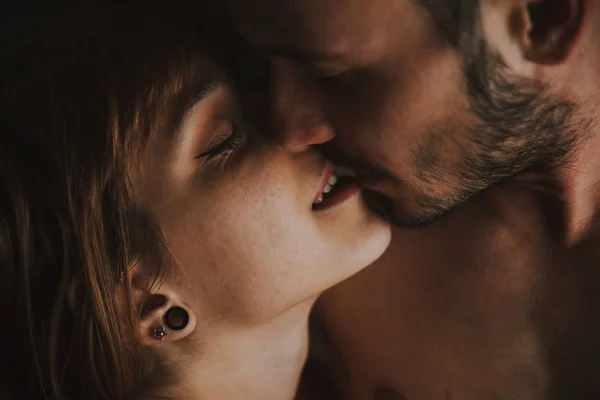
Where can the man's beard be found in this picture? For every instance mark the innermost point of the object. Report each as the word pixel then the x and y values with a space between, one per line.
pixel 521 128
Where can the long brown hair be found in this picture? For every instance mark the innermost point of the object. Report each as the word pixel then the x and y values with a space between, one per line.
pixel 80 98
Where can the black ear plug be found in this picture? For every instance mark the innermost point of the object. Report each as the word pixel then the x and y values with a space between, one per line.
pixel 176 318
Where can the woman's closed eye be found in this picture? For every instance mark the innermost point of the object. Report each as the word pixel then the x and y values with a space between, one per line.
pixel 224 144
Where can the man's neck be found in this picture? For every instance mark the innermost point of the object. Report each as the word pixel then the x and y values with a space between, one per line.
pixel 576 187
pixel 262 362
pixel 580 182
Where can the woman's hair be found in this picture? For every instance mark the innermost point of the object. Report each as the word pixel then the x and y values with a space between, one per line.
pixel 81 97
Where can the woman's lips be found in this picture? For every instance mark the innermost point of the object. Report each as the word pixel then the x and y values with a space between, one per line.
pixel 345 188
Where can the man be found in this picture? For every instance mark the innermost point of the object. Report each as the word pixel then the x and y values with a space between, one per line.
pixel 476 120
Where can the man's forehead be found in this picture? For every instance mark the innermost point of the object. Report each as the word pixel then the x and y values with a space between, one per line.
pixel 307 11
pixel 268 20
pixel 319 26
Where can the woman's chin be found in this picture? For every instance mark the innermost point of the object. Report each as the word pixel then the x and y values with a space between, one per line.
pixel 358 238
pixel 353 226
pixel 372 245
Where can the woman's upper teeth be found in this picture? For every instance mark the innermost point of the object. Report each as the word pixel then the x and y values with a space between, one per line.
pixel 330 183
pixel 328 188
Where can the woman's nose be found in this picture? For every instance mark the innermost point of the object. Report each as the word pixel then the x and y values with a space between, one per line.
pixel 297 110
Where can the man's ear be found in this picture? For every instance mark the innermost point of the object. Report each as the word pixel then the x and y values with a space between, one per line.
pixel 542 32
pixel 556 28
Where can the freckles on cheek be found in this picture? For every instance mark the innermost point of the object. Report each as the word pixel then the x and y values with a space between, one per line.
pixel 264 185
pixel 264 203
pixel 267 206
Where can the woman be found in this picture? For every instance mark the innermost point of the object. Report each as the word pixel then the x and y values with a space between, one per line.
pixel 156 243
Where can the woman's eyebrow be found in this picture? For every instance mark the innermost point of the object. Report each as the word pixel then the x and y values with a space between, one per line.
pixel 207 88
pixel 193 97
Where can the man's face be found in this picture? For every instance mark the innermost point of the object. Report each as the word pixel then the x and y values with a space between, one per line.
pixel 426 125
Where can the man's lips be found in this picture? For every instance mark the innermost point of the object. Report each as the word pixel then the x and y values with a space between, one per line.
pixel 373 181
pixel 378 192
pixel 379 203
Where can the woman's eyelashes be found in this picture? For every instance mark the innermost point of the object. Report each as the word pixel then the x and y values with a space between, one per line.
pixel 225 144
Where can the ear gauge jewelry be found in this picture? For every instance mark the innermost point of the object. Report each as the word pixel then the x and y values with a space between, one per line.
pixel 159 333
pixel 177 318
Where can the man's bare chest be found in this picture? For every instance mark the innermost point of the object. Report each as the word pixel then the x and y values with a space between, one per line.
pixel 488 286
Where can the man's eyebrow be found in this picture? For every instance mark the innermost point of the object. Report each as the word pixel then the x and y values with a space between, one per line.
pixel 304 54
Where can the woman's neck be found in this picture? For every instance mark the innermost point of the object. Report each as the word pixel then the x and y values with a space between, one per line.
pixel 261 362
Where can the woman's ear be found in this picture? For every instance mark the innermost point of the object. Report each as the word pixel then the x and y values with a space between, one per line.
pixel 542 32
pixel 163 316
pixel 158 312
pixel 164 319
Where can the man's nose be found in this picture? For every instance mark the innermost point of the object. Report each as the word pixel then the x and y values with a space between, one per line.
pixel 297 110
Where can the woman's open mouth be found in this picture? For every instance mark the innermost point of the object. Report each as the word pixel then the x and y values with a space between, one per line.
pixel 340 186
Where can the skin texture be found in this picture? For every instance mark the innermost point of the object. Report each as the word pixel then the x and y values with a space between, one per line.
pixel 250 254
pixel 498 300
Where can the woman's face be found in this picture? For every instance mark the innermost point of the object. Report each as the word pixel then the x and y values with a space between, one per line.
pixel 237 212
